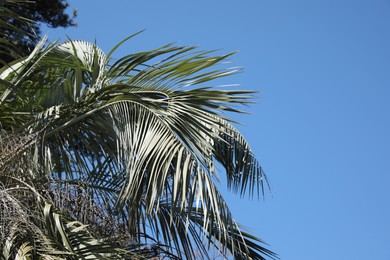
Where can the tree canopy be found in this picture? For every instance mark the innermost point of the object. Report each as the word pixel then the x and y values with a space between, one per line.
pixel 22 30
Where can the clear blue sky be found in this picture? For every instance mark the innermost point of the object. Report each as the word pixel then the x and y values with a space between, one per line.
pixel 321 126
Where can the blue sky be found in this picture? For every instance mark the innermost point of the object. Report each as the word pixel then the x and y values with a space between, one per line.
pixel 320 127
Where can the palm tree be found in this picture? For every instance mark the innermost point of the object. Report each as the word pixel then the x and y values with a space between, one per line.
pixel 116 158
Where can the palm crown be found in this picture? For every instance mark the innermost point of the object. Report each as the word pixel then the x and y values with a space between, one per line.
pixel 114 158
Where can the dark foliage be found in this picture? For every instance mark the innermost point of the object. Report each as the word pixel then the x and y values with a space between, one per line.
pixel 24 32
